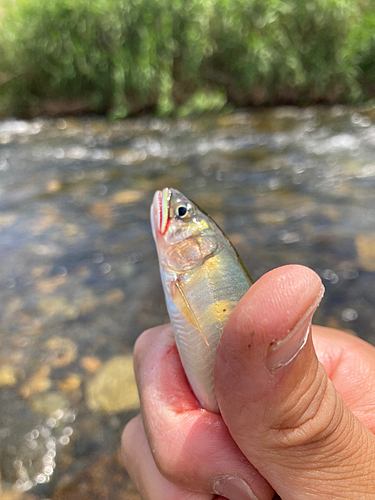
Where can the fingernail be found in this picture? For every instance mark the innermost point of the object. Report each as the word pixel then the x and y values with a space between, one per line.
pixel 282 352
pixel 234 488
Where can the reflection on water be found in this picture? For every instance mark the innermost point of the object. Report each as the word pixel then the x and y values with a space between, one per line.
pixel 79 277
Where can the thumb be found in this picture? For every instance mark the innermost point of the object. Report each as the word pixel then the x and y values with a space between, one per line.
pixel 277 401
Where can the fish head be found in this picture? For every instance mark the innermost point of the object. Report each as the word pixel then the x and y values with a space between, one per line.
pixel 183 234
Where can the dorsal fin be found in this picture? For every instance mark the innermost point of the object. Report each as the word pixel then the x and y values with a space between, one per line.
pixel 182 303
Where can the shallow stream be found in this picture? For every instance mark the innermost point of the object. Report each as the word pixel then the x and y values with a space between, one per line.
pixel 78 269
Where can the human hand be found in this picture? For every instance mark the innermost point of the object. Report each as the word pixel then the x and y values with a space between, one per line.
pixel 290 422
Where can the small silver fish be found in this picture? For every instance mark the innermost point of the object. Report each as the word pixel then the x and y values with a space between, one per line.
pixel 203 279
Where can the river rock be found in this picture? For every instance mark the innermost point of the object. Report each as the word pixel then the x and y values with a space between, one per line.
pixel 7 220
pixel 38 382
pixel 365 244
pixel 8 376
pixel 114 296
pixel 105 479
pixel 48 403
pixel 127 196
pixel 49 285
pixel 62 351
pixel 103 211
pixel 58 306
pixel 53 186
pixel 113 388
pixel 90 363
pixel 71 383
pixel 16 495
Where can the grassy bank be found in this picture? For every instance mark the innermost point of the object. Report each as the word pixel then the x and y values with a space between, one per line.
pixel 121 57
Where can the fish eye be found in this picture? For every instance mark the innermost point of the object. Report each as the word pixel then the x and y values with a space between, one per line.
pixel 183 211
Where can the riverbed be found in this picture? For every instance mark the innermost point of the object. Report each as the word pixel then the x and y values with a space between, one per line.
pixel 79 277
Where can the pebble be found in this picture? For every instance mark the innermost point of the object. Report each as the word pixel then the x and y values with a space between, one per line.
pixel 53 186
pixel 90 363
pixel 39 271
pixel 127 196
pixel 51 284
pixel 113 388
pixel 8 376
pixel 71 230
pixel 237 239
pixel 58 306
pixel 114 296
pixel 13 306
pixel 16 495
pixel 62 351
pixel 7 220
pixel 332 213
pixel 365 244
pixel 128 157
pixel 44 223
pixel 48 403
pixel 271 219
pixel 39 382
pixel 70 383
pixel 103 211
pixel 105 479
pixel 86 302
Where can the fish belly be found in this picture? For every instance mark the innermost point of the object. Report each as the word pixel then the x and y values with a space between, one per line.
pixel 196 357
pixel 212 291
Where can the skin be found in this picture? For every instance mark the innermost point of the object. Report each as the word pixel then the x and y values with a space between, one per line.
pixel 305 430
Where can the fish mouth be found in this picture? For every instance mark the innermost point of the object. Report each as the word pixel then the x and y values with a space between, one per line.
pixel 160 211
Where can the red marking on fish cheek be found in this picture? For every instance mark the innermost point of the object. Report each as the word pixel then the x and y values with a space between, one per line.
pixel 160 212
pixel 166 226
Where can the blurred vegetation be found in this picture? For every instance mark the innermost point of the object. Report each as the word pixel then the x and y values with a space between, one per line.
pixel 122 57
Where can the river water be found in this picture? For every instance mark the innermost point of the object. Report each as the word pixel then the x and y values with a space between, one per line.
pixel 78 268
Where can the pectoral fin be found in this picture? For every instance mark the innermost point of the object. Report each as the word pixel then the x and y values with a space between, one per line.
pixel 179 298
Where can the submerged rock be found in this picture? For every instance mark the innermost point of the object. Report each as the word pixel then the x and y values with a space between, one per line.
pixel 58 306
pixel 8 376
pixel 105 479
pixel 49 285
pixel 79 268
pixel 39 382
pixel 70 383
pixel 16 495
pixel 48 403
pixel 113 388
pixel 90 363
pixel 127 196
pixel 365 244
pixel 62 351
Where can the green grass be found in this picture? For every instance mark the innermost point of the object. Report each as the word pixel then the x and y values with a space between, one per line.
pixel 121 57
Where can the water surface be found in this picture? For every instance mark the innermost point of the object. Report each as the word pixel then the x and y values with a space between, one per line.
pixel 79 277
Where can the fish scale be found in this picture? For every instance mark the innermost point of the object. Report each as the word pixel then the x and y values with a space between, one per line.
pixel 198 368
pixel 203 279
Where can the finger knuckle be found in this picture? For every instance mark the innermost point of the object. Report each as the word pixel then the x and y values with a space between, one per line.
pixel 161 446
pixel 127 440
pixel 315 418
pixel 167 462
pixel 140 346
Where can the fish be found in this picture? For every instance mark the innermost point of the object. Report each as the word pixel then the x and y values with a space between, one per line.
pixel 203 278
